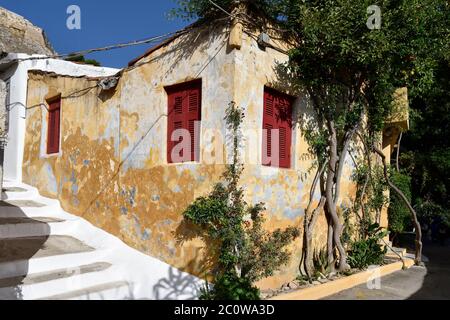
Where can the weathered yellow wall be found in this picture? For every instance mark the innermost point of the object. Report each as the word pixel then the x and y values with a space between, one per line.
pixel 113 171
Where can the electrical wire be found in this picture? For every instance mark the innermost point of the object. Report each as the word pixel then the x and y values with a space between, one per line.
pixel 220 8
pixel 245 18
pixel 107 48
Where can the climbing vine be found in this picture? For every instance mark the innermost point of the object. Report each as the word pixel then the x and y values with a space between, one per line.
pixel 246 252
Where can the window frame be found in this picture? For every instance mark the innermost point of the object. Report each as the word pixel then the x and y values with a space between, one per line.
pixel 55 148
pixel 274 123
pixel 185 118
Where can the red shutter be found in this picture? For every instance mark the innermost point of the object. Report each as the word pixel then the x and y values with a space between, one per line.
pixel 277 116
pixel 269 124
pixel 54 127
pixel 184 113
pixel 284 110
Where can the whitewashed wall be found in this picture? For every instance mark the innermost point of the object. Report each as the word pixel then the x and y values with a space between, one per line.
pixel 17 73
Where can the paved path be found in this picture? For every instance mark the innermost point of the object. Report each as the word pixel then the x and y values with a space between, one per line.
pixel 47 253
pixel 416 283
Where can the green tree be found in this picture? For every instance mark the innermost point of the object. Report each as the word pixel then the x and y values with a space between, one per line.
pixel 398 213
pixel 426 149
pixel 349 71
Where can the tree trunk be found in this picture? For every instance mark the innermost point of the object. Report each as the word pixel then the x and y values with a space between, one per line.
pixel 418 259
pixel 308 263
pixel 397 165
pixel 330 243
pixel 309 224
pixel 331 207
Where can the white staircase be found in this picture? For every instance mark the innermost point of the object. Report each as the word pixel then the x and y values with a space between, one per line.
pixel 49 254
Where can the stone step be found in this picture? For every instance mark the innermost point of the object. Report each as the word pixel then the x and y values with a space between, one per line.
pixel 17 193
pixel 14 189
pixel 31 208
pixel 56 282
pixel 35 265
pixel 36 278
pixel 21 204
pixel 396 252
pixel 119 290
pixel 18 227
pixel 19 249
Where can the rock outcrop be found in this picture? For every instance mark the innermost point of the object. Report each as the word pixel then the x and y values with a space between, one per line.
pixel 18 35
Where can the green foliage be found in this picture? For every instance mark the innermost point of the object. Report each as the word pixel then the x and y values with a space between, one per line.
pixel 430 211
pixel 265 251
pixel 369 199
pixel 204 9
pixel 195 9
pixel 398 213
pixel 337 52
pixel 246 251
pixel 375 187
pixel 426 149
pixel 368 251
pixel 229 286
pixel 349 70
pixel 83 60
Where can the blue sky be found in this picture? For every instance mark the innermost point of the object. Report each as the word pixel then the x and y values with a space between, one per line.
pixel 103 22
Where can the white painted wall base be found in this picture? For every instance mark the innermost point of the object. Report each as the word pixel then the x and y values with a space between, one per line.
pixel 132 275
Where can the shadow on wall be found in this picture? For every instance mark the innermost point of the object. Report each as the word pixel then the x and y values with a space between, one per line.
pixel 199 38
pixel 17 248
pixel 206 257
pixel 177 286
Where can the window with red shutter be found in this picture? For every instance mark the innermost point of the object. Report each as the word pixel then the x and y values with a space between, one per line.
pixel 184 112
pixel 54 126
pixel 277 129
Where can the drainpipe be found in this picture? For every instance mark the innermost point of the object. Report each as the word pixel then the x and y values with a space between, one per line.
pixel 3 133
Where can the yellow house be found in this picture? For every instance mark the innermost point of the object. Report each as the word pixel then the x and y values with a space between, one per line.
pixel 109 148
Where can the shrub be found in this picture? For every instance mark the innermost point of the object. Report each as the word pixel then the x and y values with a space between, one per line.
pixel 398 213
pixel 430 211
pixel 83 60
pixel 229 286
pixel 368 251
pixel 245 251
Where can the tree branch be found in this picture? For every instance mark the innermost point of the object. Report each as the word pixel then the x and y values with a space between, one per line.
pixel 418 259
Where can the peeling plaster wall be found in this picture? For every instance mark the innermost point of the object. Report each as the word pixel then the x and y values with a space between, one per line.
pixel 17 74
pixel 112 169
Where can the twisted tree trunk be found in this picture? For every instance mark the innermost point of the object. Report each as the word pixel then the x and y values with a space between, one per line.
pixel 310 220
pixel 332 178
pixel 418 254
pixel 397 158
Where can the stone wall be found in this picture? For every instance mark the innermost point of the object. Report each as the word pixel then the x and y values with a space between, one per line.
pixel 18 35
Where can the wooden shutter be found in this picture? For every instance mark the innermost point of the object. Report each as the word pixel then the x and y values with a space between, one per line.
pixel 277 116
pixel 54 126
pixel 193 117
pixel 284 119
pixel 184 112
